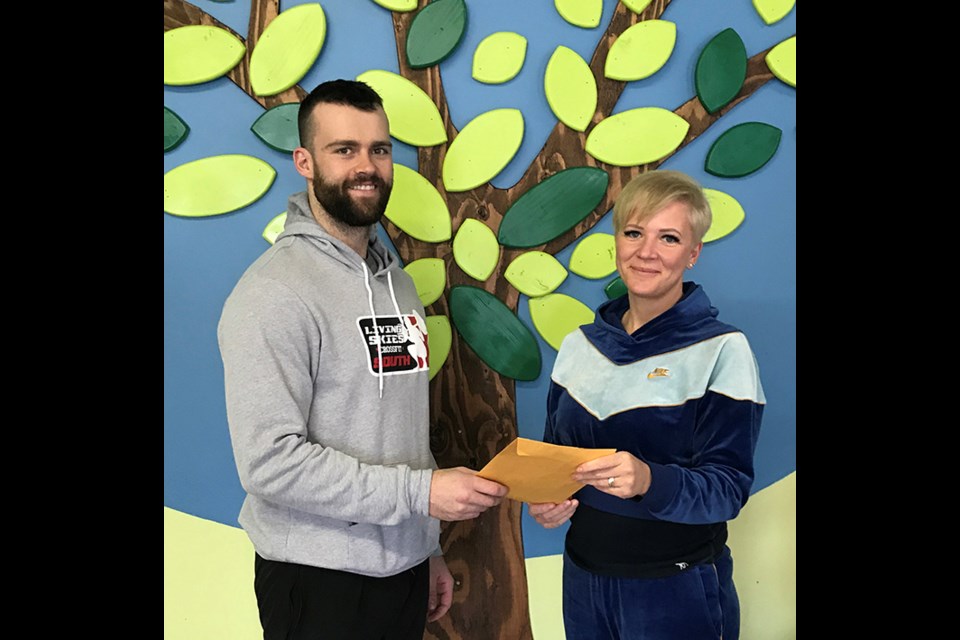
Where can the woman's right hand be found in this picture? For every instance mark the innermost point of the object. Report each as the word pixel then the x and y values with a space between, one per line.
pixel 553 514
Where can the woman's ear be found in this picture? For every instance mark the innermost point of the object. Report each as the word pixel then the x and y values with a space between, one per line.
pixel 303 162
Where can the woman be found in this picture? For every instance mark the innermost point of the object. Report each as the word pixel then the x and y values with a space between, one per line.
pixel 678 394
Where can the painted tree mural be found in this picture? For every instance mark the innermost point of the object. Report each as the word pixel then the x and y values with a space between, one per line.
pixel 473 249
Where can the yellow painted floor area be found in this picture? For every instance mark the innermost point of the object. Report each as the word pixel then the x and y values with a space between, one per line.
pixel 208 575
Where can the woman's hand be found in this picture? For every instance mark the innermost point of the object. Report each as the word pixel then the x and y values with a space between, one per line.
pixel 620 474
pixel 552 514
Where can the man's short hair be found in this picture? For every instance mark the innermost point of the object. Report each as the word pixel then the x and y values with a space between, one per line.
pixel 352 93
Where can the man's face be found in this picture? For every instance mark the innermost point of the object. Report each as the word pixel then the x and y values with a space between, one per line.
pixel 353 163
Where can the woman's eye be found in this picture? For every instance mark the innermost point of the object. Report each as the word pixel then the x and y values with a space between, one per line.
pixel 633 234
pixel 671 239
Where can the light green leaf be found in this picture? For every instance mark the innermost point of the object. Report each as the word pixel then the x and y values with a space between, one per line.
pixel 482 149
pixel 773 10
pixel 287 49
pixel 413 116
pixel 400 6
pixel 555 315
pixel 580 13
pixel 535 273
pixel 199 53
pixel 430 277
pixel 571 88
pixel 215 185
pixel 499 57
pixel 475 249
pixel 417 207
pixel 637 136
pixel 641 50
pixel 594 256
pixel 727 214
pixel 274 228
pixel 782 61
pixel 439 339
pixel 637 6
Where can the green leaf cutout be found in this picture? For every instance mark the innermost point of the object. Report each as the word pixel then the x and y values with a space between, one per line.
pixel 287 49
pixel 580 13
pixel 400 6
pixel 637 6
pixel 727 214
pixel 175 130
pixel 553 207
pixel 417 208
pixel 535 273
pixel 494 333
pixel 615 288
pixel 499 57
pixel 742 149
pixel 199 53
pixel 637 136
pixel 413 116
pixel 555 315
pixel 595 256
pixel 277 127
pixel 274 228
pixel 430 277
pixel 475 249
pixel 482 149
pixel 782 61
pixel 641 50
pixel 435 32
pixel 439 339
pixel 214 185
pixel 721 70
pixel 773 10
pixel 570 88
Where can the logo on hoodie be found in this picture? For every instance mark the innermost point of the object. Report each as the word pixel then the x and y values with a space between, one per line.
pixel 403 343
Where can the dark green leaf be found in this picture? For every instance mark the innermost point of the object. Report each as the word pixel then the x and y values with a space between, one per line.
pixel 615 288
pixel 174 130
pixel 742 149
pixel 494 333
pixel 721 70
pixel 552 207
pixel 278 127
pixel 435 32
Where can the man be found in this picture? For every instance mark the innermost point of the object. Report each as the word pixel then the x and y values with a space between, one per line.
pixel 327 408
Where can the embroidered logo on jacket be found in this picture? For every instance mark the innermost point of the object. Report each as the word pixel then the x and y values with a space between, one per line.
pixel 403 341
pixel 659 372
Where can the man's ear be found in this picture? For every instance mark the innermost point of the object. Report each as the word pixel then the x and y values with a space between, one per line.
pixel 303 161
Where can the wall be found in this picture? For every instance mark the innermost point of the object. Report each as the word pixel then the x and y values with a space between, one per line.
pixel 750 276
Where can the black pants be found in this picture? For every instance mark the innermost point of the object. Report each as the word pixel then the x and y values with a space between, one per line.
pixel 299 602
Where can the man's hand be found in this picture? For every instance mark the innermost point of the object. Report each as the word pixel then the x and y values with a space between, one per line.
pixel 460 494
pixel 441 589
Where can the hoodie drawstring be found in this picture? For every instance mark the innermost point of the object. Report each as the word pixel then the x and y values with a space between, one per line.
pixel 376 330
pixel 373 314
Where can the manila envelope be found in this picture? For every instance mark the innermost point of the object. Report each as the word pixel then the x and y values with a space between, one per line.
pixel 536 471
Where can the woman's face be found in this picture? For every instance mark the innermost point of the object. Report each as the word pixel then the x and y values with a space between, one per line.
pixel 652 255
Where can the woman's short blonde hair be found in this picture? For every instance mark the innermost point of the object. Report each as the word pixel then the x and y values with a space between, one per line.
pixel 650 192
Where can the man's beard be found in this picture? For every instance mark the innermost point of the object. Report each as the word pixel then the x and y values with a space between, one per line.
pixel 336 201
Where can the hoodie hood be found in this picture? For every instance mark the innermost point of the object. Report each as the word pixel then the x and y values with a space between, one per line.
pixel 690 320
pixel 300 222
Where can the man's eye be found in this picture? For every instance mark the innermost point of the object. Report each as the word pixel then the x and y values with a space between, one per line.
pixel 383 151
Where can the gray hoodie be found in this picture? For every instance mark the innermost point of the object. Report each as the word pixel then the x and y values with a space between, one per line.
pixel 330 427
